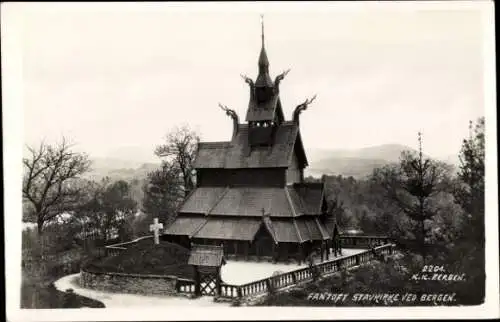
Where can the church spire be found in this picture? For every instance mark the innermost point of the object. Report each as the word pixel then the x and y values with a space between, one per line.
pixel 263 79
pixel 262 26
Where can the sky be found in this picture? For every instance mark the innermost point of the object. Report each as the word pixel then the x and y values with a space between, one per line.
pixel 111 77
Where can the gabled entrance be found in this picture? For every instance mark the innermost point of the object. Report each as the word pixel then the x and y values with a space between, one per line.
pixel 207 261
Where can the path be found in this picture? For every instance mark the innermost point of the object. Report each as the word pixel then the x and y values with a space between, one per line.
pixel 234 272
pixel 242 272
pixel 121 300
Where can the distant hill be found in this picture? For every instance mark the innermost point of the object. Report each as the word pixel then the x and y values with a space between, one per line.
pixel 134 172
pixel 345 166
pixel 381 152
pixel 130 162
pixel 116 168
pixel 357 162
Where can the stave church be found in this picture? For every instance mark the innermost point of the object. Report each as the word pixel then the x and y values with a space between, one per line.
pixel 250 195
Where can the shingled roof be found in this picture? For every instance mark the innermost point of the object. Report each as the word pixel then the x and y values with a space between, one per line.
pixel 307 197
pixel 264 111
pixel 237 154
pixel 291 201
pixel 282 230
pixel 249 201
pixel 229 228
pixel 205 255
pixel 185 225
pixel 211 154
pixel 201 200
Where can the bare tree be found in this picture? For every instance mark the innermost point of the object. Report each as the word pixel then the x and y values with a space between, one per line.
pixel 179 149
pixel 49 180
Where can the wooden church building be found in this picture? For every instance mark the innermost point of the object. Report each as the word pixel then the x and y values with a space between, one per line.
pixel 250 194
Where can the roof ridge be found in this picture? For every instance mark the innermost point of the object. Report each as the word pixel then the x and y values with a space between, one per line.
pixel 308 228
pixel 301 201
pixel 181 204
pixel 199 228
pixel 207 246
pixel 322 196
pixel 291 152
pixel 323 233
pixel 214 142
pixel 297 230
pixel 218 200
pixel 289 198
pixel 270 228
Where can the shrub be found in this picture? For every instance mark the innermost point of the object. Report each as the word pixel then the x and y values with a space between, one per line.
pixel 145 257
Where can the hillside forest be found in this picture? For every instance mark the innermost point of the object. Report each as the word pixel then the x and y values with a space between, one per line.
pixel 433 213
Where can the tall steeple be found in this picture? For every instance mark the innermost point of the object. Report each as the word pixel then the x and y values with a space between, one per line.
pixel 263 79
pixel 264 112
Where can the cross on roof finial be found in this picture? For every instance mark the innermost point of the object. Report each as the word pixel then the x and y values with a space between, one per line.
pixel 420 144
pixel 262 25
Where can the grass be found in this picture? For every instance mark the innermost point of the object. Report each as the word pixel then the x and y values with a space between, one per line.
pixel 147 258
pixel 391 275
pixel 38 291
pixel 46 296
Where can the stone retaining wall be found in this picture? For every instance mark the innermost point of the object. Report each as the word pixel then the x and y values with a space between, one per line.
pixel 129 283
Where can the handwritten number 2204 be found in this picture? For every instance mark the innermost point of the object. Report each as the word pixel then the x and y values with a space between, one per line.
pixel 432 269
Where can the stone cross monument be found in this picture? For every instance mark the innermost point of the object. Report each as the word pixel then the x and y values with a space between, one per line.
pixel 155 228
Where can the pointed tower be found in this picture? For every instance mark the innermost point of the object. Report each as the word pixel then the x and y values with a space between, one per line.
pixel 250 193
pixel 263 84
pixel 264 112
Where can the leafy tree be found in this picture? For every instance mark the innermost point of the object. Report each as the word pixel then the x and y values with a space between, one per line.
pixel 49 188
pixel 470 191
pixel 412 185
pixel 179 151
pixel 162 194
pixel 108 209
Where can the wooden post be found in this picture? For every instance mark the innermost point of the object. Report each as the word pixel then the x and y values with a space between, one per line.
pixel 269 285
pixel 218 282
pixel 247 248
pixel 197 282
pixel 258 244
pixel 322 247
pixel 283 252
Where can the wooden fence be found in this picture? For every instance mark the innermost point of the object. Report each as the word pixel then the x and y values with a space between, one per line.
pixel 281 281
pixel 115 249
pixel 364 241
pixel 185 286
pixel 275 283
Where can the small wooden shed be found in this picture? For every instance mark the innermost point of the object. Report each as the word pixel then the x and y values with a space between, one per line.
pixel 207 261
